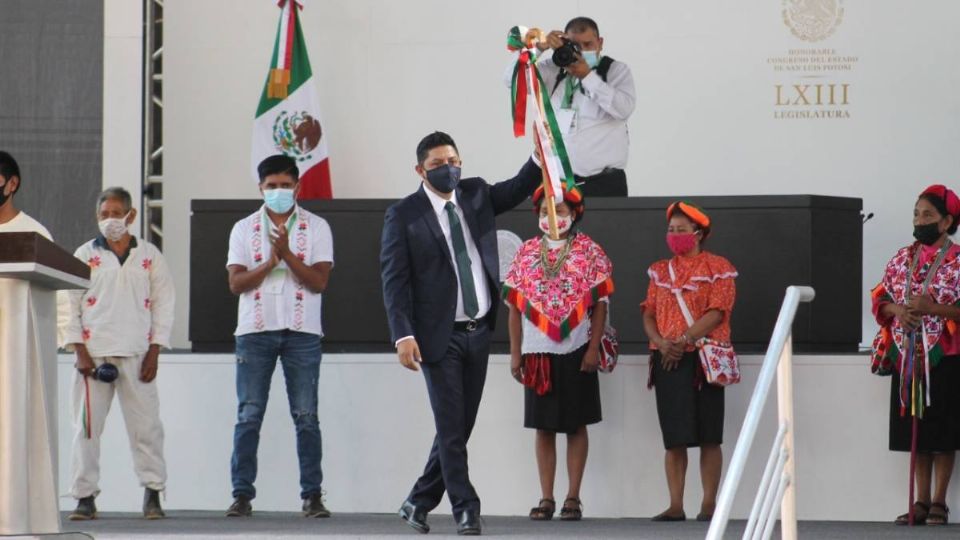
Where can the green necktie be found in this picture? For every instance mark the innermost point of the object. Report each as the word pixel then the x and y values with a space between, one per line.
pixel 467 286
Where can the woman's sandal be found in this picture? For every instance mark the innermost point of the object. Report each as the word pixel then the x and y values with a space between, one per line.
pixel 571 512
pixel 544 510
pixel 937 518
pixel 920 512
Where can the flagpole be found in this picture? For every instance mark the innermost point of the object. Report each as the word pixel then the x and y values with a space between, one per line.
pixel 551 208
pixel 548 195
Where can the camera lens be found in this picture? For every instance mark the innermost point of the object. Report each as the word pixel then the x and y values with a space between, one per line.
pixel 566 54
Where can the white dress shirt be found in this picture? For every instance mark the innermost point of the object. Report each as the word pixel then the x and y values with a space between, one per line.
pixel 597 137
pixel 128 306
pixel 476 264
pixel 24 223
pixel 281 302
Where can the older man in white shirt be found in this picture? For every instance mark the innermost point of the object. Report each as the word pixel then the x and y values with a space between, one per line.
pixel 122 320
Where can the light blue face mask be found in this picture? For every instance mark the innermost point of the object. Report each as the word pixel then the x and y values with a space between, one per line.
pixel 592 58
pixel 279 200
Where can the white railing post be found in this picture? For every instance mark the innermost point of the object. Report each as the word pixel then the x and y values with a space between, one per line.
pixel 788 506
pixel 784 484
pixel 765 482
pixel 779 342
pixel 770 497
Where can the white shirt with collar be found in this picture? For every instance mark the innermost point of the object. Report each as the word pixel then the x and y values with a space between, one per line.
pixel 128 307
pixel 597 137
pixel 476 263
pixel 281 302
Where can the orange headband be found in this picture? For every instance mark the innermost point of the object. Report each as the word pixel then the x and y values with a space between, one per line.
pixel 572 197
pixel 695 214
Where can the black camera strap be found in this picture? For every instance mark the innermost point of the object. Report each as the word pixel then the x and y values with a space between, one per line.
pixel 603 67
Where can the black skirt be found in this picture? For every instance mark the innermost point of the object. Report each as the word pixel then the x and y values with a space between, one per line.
pixel 939 429
pixel 689 416
pixel 573 399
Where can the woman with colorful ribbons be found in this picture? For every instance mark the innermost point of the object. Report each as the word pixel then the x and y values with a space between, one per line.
pixel 917 304
pixel 557 292
pixel 689 409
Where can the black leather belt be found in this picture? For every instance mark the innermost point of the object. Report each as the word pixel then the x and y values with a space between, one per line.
pixel 605 172
pixel 467 326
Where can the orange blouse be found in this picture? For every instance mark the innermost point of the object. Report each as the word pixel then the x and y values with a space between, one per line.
pixel 706 282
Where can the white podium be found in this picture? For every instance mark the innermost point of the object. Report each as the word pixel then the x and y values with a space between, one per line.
pixel 32 269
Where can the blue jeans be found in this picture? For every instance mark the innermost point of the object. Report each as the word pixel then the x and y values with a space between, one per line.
pixel 257 354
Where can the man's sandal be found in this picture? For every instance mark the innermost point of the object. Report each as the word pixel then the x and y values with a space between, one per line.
pixel 544 510
pixel 937 514
pixel 572 510
pixel 920 512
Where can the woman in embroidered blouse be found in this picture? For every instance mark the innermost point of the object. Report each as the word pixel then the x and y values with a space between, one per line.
pixel 919 345
pixel 690 411
pixel 557 292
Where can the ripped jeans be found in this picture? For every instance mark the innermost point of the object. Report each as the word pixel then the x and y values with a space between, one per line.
pixel 257 355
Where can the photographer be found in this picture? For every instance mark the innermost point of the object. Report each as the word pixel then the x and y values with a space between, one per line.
pixel 593 96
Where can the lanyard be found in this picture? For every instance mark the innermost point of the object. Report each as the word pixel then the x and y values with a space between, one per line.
pixel 280 270
pixel 571 86
pixel 267 224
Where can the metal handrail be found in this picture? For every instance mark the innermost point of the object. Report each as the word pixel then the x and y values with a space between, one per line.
pixel 779 354
pixel 765 481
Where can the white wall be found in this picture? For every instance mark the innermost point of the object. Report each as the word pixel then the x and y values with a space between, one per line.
pixel 122 98
pixel 377 429
pixel 389 72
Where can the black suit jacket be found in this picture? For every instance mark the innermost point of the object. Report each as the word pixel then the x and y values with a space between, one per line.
pixel 416 266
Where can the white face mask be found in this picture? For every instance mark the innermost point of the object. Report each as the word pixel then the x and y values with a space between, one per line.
pixel 113 229
pixel 563 224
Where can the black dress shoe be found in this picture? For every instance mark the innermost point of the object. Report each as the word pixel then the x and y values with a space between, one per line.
pixel 469 523
pixel 415 516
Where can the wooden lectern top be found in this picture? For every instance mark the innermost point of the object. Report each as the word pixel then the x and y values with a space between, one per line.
pixel 31 257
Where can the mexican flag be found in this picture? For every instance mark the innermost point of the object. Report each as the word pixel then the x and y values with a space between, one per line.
pixel 288 116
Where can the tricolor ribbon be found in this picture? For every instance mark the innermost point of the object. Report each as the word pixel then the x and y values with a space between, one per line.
pixel 279 82
pixel 527 80
pixel 550 165
pixel 87 424
pixel 518 91
pixel 914 374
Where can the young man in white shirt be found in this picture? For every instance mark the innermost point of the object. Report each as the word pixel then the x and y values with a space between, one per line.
pixel 279 263
pixel 11 219
pixel 122 320
pixel 592 97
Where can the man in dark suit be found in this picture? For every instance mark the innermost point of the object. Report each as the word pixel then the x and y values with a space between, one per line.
pixel 440 273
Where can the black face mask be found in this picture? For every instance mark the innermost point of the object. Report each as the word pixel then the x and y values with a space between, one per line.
pixel 444 178
pixel 4 197
pixel 927 234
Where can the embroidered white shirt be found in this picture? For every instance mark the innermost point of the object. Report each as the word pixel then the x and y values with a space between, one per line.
pixel 281 302
pixel 128 306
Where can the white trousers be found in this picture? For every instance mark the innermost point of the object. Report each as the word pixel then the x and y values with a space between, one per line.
pixel 140 404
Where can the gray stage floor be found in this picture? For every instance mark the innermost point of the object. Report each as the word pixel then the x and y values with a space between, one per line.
pixel 211 525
